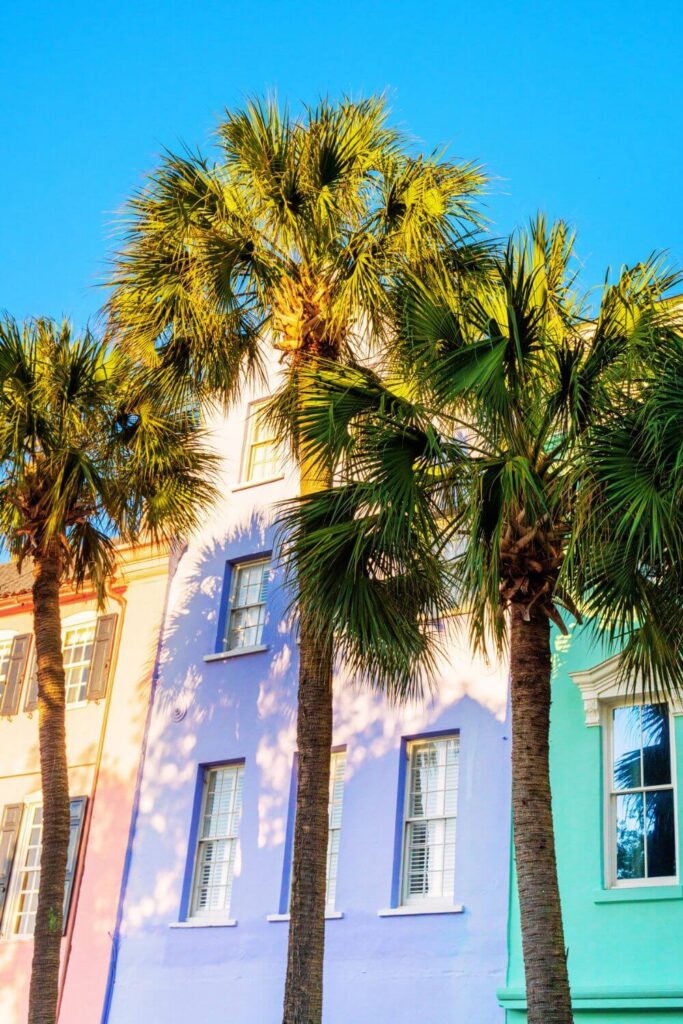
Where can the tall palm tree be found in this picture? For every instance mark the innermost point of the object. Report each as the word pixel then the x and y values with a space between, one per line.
pixel 87 450
pixel 287 240
pixel 529 456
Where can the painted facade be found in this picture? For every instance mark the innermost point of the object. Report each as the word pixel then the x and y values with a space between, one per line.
pixel 617 777
pixel 404 941
pixel 110 656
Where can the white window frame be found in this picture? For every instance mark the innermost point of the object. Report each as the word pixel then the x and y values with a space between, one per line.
pixel 603 688
pixel 337 768
pixel 221 916
pixel 610 793
pixel 251 443
pixel 10 911
pixel 6 638
pixel 236 569
pixel 416 903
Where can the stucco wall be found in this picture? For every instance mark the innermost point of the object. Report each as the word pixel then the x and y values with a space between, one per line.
pixel 398 968
pixel 625 956
pixel 103 748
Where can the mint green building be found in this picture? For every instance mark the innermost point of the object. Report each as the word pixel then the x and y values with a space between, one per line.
pixel 617 786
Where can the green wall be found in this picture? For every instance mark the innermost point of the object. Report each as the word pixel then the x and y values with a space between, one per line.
pixel 625 953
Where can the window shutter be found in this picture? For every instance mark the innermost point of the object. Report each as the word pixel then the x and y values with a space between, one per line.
pixel 101 658
pixel 9 830
pixel 32 691
pixel 77 807
pixel 15 674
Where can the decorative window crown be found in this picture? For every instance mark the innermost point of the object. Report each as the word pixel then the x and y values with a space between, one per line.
pixel 604 684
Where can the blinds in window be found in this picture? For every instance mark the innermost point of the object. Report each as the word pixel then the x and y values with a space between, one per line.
pixel 217 841
pixel 430 819
pixel 337 772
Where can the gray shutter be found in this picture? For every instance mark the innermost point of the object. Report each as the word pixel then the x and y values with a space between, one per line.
pixel 32 691
pixel 15 674
pixel 101 657
pixel 9 830
pixel 77 809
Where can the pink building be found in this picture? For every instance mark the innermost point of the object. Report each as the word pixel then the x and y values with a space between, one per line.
pixel 109 657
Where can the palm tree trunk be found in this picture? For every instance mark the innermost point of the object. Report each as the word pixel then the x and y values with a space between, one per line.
pixel 304 982
pixel 545 963
pixel 55 785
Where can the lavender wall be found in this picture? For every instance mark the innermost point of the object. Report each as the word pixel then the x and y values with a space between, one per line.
pixel 438 967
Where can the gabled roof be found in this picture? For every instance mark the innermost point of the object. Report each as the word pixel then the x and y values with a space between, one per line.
pixel 13 582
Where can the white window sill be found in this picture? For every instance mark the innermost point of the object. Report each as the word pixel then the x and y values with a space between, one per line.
pixel 226 922
pixel 330 915
pixel 258 483
pixel 417 910
pixel 236 653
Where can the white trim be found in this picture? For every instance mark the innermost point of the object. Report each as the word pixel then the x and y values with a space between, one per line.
pixel 78 619
pixel 417 910
pixel 7 634
pixel 236 652
pixel 249 443
pixel 604 683
pixel 611 882
pixel 227 922
pixel 258 483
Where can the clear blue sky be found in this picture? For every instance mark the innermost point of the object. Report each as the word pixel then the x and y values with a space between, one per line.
pixel 575 108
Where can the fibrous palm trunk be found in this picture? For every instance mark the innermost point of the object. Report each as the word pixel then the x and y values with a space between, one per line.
pixel 545 962
pixel 55 787
pixel 304 982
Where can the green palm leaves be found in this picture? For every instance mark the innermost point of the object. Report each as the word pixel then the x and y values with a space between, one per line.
pixel 89 449
pixel 541 443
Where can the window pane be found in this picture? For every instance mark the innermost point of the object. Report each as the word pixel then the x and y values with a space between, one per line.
pixel 627 771
pixel 429 846
pixel 630 836
pixel 217 844
pixel 661 842
pixel 248 612
pixel 656 745
pixel 77 650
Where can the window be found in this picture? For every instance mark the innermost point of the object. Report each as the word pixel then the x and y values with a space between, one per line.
pixel 261 456
pixel 78 646
pixel 249 588
pixel 337 772
pixel 642 828
pixel 5 652
pixel 428 867
pixel 217 841
pixel 24 895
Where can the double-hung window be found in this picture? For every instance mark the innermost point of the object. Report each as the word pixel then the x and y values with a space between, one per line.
pixel 641 812
pixel 430 808
pixel 247 608
pixel 337 772
pixel 217 842
pixel 77 647
pixel 261 460
pixel 20 912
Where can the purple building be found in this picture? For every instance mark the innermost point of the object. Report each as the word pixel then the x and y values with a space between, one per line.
pixel 418 860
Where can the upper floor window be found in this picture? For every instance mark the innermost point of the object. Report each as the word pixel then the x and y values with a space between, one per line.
pixel 261 460
pixel 247 609
pixel 14 651
pixel 337 772
pixel 217 841
pixel 641 814
pixel 20 858
pixel 77 647
pixel 428 863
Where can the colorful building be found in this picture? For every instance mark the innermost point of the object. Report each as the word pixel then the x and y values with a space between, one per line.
pixel 109 656
pixel 418 858
pixel 617 781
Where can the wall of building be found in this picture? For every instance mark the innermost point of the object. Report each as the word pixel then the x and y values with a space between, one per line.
pixel 626 946
pixel 103 749
pixel 398 968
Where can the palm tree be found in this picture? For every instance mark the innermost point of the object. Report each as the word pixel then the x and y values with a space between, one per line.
pixel 87 450
pixel 287 241
pixel 529 457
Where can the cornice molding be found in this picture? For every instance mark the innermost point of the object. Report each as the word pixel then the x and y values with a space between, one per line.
pixel 603 684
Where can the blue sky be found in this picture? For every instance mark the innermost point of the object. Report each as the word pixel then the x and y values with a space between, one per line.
pixel 575 108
